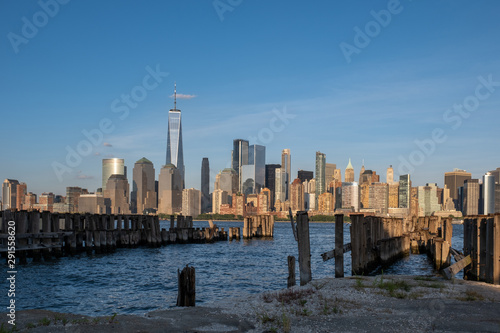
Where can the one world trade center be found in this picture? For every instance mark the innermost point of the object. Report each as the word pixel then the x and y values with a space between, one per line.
pixel 175 153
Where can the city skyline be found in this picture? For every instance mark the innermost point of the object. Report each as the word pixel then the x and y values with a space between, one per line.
pixel 384 104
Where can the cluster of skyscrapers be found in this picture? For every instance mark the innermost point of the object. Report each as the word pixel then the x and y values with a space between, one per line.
pixel 250 186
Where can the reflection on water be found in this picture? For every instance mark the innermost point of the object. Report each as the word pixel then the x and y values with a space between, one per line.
pixel 145 279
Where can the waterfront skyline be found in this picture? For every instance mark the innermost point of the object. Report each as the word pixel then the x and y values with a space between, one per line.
pixel 395 92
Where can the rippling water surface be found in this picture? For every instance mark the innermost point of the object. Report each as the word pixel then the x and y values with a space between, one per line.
pixel 139 280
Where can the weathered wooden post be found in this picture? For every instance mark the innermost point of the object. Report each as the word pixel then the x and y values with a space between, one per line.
pixel 186 295
pixel 46 253
pixel 246 227
pixel 34 228
pixel 291 272
pixel 304 247
pixel 339 245
pixel 496 249
pixel 172 222
pixel 57 247
pixel 21 228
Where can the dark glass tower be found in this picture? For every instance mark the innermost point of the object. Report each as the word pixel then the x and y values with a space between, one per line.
pixel 205 185
pixel 175 153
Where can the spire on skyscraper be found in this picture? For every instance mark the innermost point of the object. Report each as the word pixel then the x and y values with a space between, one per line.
pixel 175 154
pixel 349 165
pixel 175 95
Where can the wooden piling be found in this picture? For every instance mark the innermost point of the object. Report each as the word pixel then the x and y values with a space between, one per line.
pixel 186 295
pixel 304 247
pixel 496 250
pixel 339 245
pixel 291 272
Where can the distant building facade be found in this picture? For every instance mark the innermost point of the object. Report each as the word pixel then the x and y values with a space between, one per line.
pixel 191 202
pixel 143 197
pixel 117 192
pixel 453 180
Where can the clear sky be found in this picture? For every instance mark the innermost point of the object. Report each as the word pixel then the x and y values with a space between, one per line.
pixel 357 79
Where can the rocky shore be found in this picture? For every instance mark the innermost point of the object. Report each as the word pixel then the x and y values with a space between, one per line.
pixel 354 304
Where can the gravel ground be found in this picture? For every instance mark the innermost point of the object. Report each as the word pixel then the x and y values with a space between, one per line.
pixel 354 304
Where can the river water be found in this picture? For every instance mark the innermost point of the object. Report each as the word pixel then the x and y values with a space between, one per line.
pixel 135 281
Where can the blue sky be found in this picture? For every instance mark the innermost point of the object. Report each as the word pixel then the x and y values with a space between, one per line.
pixel 260 59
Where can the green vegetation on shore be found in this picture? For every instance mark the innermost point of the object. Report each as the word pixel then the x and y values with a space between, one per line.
pixel 220 217
pixel 232 217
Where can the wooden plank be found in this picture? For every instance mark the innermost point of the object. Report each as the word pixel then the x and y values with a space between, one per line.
pixel 331 254
pixel 450 271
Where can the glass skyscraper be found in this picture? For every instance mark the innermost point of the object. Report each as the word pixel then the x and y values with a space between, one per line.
pixel 112 166
pixel 175 153
pixel 320 175
pixel 254 173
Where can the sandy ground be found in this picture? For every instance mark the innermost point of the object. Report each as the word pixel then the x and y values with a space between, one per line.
pixel 354 304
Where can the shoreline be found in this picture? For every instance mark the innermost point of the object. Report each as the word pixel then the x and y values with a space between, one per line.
pixel 352 304
pixel 274 221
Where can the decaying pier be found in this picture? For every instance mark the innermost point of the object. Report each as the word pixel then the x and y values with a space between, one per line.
pixel 46 234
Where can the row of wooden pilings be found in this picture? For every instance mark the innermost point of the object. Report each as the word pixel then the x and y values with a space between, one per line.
pixel 49 234
pixel 258 226
pixel 432 235
pixel 375 241
pixel 482 244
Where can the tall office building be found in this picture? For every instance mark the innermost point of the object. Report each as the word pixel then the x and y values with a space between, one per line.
pixel 239 158
pixel 489 193
pixel 337 174
pixel 21 191
pixel 228 181
pixel 169 190
pixel 361 172
pixel 117 192
pixel 320 175
pixel 349 173
pixel 496 174
pixel 471 197
pixel 271 181
pixel 379 197
pixel 9 193
pixel 219 197
pixel 390 175
pixel 394 195
pixel 329 172
pixel 143 197
pixel 296 196
pixel 286 165
pixel 427 200
pixel 280 185
pixel 305 175
pixel 350 196
pixel 254 173
pixel 205 185
pixel 175 153
pixel 454 180
pixel 191 202
pixel 112 166
pixel 404 191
